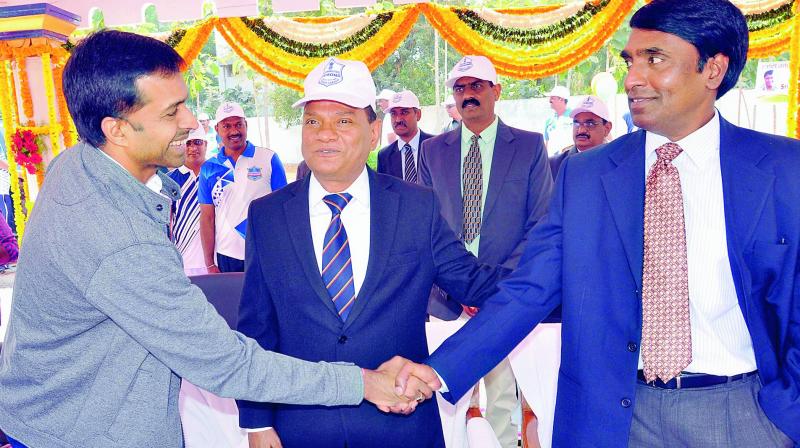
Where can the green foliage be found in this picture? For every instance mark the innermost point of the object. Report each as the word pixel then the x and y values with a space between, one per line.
pixel 281 100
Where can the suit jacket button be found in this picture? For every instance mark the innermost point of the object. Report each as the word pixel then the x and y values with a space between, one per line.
pixel 632 346
pixel 625 402
pixel 159 207
pixel 342 339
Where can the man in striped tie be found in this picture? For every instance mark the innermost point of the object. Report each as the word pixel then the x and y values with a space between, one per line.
pixel 401 158
pixel 339 266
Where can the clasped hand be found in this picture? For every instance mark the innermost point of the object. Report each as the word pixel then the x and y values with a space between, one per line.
pixel 399 385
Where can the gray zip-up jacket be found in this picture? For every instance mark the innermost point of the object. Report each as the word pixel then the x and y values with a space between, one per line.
pixel 104 323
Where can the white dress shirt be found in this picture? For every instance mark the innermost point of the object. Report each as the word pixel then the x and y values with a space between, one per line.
pixel 414 143
pixel 721 343
pixel 355 218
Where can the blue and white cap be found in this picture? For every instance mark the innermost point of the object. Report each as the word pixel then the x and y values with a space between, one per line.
pixel 340 80
pixel 474 66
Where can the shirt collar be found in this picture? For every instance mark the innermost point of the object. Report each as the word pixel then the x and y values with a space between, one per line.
pixel 154 183
pixel 488 135
pixel 699 146
pixel 359 189
pixel 249 151
pixel 414 142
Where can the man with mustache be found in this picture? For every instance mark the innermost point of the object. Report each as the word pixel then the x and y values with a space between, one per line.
pixel 240 173
pixel 494 184
pixel 591 125
pixel 400 158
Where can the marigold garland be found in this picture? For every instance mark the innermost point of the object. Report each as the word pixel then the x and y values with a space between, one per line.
pixel 25 88
pixel 530 37
pixel 6 82
pixel 766 19
pixel 313 50
pixel 529 21
pixel 53 126
pixel 68 131
pixel 318 33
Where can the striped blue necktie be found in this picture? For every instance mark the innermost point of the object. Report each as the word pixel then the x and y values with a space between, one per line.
pixel 337 270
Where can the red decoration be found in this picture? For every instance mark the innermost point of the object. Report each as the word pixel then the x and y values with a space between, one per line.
pixel 26 150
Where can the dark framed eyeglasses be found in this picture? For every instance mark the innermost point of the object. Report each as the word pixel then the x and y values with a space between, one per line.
pixel 195 142
pixel 590 124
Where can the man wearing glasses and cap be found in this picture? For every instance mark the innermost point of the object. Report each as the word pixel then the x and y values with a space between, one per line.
pixel 591 126
pixel 357 255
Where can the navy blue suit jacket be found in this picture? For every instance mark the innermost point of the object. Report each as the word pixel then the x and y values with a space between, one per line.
pixel 389 157
pixel 286 308
pixel 595 231
pixel 519 191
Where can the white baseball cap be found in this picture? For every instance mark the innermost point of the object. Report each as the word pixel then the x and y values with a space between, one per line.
pixel 197 133
pixel 449 101
pixel 341 80
pixel 559 91
pixel 475 66
pixel 229 109
pixel 203 116
pixel 405 98
pixel 593 105
pixel 386 94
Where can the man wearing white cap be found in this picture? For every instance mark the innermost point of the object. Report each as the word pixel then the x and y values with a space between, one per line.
pixel 591 126
pixel 240 173
pixel 452 112
pixel 558 128
pixel 186 210
pixel 308 291
pixel 383 98
pixel 401 157
pixel 494 183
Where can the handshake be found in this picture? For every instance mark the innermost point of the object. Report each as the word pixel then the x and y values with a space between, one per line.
pixel 399 385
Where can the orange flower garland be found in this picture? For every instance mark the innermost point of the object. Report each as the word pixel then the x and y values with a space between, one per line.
pixel 68 131
pixel 25 88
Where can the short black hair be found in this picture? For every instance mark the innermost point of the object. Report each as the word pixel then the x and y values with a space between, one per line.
pixel 100 77
pixel 768 72
pixel 712 26
pixel 371 115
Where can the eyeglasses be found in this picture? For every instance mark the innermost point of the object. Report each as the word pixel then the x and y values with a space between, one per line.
pixel 591 124
pixel 195 142
pixel 476 86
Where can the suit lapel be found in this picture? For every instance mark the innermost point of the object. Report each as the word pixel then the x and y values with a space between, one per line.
pixel 384 210
pixel 624 188
pixel 451 155
pixel 745 189
pixel 504 150
pixel 296 210
pixel 395 165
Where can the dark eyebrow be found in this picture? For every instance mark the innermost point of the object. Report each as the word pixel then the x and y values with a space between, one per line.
pixel 174 105
pixel 646 51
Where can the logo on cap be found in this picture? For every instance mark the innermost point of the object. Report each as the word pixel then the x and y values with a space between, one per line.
pixel 588 102
pixel 397 97
pixel 227 108
pixel 332 73
pixel 464 65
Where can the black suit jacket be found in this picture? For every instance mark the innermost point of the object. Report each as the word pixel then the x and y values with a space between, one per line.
pixel 389 157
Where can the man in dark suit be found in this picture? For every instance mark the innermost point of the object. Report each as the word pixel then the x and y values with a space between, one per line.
pixel 339 266
pixel 512 188
pixel 674 253
pixel 401 157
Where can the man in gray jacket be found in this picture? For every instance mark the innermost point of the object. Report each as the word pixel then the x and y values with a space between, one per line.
pixel 104 323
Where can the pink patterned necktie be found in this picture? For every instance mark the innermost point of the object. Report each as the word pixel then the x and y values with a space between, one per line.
pixel 666 331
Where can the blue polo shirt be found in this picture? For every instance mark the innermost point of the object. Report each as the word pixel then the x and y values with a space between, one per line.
pixel 231 186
